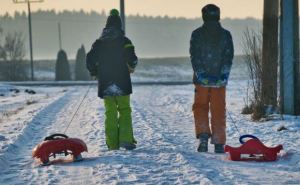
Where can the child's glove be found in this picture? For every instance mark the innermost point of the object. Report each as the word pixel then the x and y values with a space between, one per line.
pixel 130 69
pixel 93 73
pixel 205 81
pixel 223 80
pixel 219 83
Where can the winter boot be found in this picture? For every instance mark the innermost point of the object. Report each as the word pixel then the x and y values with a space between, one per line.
pixel 128 146
pixel 203 146
pixel 219 148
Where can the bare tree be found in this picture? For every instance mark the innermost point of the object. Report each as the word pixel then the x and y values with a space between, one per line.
pixel 14 46
pixel 252 45
pixel 13 53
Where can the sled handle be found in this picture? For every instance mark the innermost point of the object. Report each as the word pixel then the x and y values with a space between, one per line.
pixel 247 136
pixel 56 136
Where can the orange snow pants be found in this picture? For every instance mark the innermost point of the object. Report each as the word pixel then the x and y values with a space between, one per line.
pixel 209 99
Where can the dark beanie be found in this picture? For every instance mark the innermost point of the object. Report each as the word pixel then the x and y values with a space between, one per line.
pixel 114 19
pixel 210 12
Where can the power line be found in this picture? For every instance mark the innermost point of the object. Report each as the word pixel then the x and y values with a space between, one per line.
pixel 28 2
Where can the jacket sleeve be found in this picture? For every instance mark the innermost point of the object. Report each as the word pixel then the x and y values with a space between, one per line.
pixel 228 54
pixel 93 58
pixel 129 55
pixel 194 51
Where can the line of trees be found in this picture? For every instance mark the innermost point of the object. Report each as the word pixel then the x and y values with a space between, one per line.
pixel 152 36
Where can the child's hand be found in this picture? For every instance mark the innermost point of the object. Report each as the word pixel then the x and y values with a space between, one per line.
pixel 93 73
pixel 130 69
pixel 220 83
pixel 205 81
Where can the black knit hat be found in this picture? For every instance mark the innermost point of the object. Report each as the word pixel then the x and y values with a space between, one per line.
pixel 210 12
pixel 114 19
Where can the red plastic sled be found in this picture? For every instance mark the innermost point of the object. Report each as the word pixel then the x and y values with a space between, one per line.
pixel 59 144
pixel 252 150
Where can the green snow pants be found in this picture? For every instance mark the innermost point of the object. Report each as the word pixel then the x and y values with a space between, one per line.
pixel 118 122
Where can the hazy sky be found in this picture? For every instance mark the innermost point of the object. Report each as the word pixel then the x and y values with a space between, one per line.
pixel 177 8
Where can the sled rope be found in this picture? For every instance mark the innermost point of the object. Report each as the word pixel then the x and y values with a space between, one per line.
pixel 234 122
pixel 87 92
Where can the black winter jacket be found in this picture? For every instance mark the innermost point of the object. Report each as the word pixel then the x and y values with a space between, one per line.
pixel 212 52
pixel 110 60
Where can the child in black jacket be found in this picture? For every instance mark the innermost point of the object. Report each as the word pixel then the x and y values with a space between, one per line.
pixel 112 59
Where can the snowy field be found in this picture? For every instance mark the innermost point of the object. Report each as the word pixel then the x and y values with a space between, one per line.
pixel 163 127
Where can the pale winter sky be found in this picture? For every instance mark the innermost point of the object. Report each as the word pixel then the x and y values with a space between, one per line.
pixel 174 8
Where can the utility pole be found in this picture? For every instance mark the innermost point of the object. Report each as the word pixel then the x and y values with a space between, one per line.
pixel 59 36
pixel 122 11
pixel 28 2
pixel 289 59
pixel 270 52
pixel 296 57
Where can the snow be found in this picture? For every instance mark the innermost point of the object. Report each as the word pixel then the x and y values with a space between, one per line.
pixel 113 90
pixel 163 127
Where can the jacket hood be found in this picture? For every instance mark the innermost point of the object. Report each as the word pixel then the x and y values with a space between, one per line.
pixel 111 33
pixel 211 25
pixel 212 31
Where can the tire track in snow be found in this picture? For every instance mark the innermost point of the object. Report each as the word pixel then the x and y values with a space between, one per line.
pixel 164 143
pixel 16 163
pixel 17 158
pixel 71 173
pixel 181 133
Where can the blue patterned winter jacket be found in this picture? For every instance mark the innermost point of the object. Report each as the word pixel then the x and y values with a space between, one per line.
pixel 212 52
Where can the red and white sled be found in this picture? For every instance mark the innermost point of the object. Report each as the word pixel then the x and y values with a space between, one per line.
pixel 59 144
pixel 253 150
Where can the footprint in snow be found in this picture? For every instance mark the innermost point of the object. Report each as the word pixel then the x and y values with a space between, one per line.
pixel 2 138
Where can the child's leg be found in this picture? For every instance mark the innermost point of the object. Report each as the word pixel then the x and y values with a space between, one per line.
pixel 125 120
pixel 201 109
pixel 218 115
pixel 111 123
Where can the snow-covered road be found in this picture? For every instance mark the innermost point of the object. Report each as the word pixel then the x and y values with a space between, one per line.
pixel 166 153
